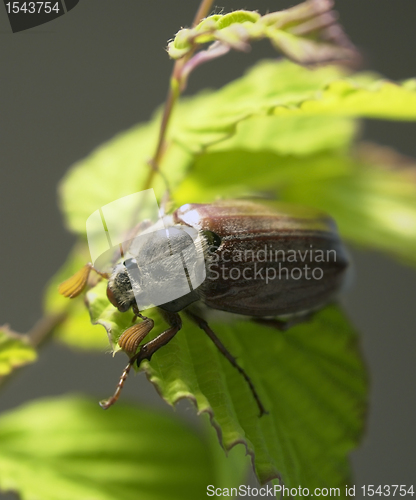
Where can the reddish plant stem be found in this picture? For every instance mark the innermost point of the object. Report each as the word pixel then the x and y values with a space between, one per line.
pixel 175 88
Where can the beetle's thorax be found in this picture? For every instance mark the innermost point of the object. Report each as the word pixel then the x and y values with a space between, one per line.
pixel 157 264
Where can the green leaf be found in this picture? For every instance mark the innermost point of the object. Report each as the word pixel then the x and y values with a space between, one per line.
pixel 240 172
pixel 116 169
pixel 277 107
pixel 119 167
pixel 297 135
pixel 311 380
pixel 379 99
pixel 374 202
pixel 68 448
pixel 78 332
pixel 212 117
pixel 307 33
pixel 288 91
pixel 15 351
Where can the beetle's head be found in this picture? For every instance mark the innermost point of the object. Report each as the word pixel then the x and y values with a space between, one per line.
pixel 119 289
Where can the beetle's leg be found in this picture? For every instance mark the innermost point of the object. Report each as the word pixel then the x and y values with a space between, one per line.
pixel 137 313
pixel 283 325
pixel 223 350
pixel 106 403
pixel 75 285
pixel 146 350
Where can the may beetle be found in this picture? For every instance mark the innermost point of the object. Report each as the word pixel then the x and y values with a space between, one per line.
pixel 274 265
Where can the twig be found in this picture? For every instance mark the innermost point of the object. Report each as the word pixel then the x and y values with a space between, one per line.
pixel 44 328
pixel 175 88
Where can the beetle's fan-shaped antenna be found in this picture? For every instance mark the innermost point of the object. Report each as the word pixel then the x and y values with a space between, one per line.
pixel 75 285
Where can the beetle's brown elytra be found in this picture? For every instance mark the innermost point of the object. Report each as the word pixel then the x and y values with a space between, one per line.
pixel 259 234
pixel 290 263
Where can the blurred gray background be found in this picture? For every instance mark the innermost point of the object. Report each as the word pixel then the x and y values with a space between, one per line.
pixel 69 85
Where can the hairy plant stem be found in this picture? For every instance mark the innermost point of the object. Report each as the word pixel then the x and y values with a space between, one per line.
pixel 178 82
